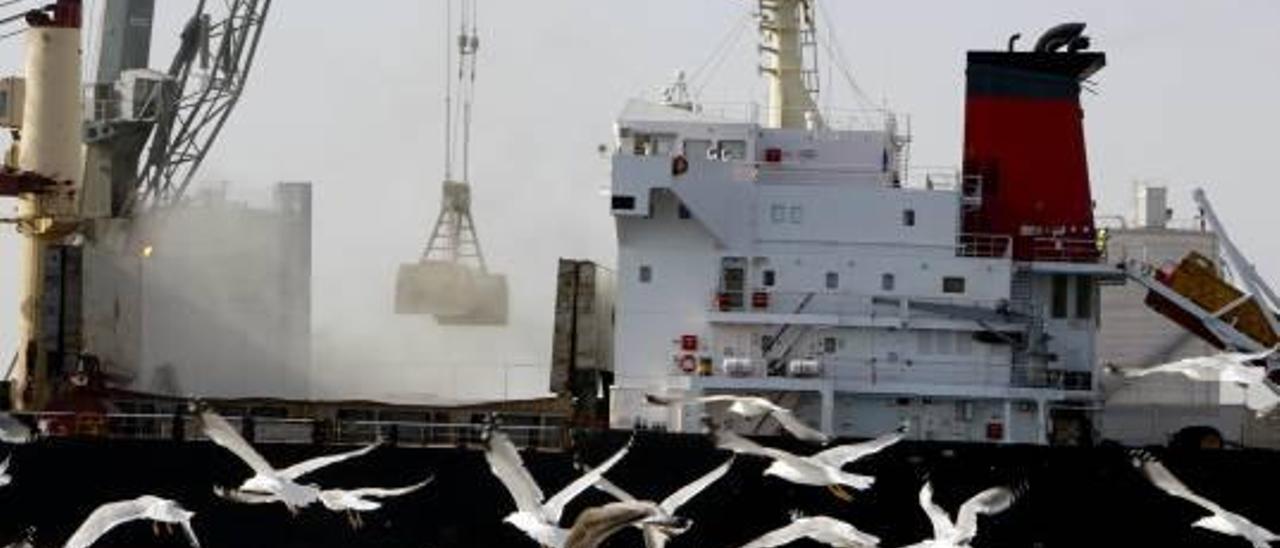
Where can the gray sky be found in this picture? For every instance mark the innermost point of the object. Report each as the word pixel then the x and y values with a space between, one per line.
pixel 348 95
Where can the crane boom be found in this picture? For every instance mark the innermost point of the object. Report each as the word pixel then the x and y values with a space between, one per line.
pixel 209 72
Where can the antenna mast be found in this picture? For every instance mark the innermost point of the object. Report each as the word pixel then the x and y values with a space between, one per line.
pixel 787 31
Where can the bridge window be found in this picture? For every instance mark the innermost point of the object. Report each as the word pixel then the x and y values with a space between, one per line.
pixel 833 280
pixel 887 282
pixel 953 284
pixel 769 278
pixel 908 217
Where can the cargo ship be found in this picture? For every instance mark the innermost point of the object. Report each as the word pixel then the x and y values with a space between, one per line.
pixel 786 251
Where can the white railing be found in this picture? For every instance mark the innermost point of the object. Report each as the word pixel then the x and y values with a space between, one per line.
pixel 831 118
pixel 840 303
pixel 269 430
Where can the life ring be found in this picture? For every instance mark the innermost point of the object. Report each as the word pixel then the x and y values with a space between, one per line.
pixel 688 363
pixel 679 165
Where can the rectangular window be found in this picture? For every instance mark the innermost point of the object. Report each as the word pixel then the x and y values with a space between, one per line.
pixel 887 282
pixel 833 280
pixel 733 150
pixel 646 274
pixel 778 213
pixel 1060 282
pixel 1084 297
pixel 953 284
pixel 829 345
pixel 769 278
pixel 797 215
pixel 697 148
pixel 909 217
pixel 626 203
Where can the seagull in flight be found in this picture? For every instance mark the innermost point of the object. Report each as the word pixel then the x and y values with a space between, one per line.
pixel 13 430
pixel 657 535
pixel 5 478
pixel 596 524
pixel 1222 521
pixel 535 515
pixel 354 501
pixel 961 532
pixel 267 483
pixel 829 531
pixel 149 507
pixel 1229 367
pixel 824 469
pixel 749 407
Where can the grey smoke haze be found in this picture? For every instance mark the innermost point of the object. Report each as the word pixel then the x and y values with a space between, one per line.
pixel 348 96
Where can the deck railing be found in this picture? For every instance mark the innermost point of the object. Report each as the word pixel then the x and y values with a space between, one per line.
pixel 272 430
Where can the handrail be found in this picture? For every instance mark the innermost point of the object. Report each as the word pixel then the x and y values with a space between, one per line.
pixel 284 430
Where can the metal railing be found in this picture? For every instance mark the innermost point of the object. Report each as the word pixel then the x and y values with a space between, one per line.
pixel 831 118
pixel 1065 249
pixel 991 246
pixel 270 430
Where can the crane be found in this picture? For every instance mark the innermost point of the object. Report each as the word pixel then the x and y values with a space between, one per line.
pixel 451 280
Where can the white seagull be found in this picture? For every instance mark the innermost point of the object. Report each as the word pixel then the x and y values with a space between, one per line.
pixel 112 514
pixel 829 531
pixel 535 515
pixel 267 483
pixel 5 478
pixel 823 469
pixel 1222 521
pixel 656 535
pixel 13 430
pixel 596 524
pixel 958 534
pixel 748 407
pixel 353 501
pixel 1227 367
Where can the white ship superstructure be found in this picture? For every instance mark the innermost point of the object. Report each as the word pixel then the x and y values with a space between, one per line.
pixel 785 255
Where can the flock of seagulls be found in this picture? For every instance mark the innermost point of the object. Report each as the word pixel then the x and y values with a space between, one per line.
pixel 541 518
pixel 266 485
pixel 659 521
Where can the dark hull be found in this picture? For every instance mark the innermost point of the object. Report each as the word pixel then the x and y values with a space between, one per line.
pixel 1073 497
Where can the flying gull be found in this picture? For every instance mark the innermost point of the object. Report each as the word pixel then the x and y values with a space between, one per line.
pixel 1222 521
pixel 829 531
pixel 353 501
pixel 1229 367
pixel 535 515
pixel 655 535
pixel 5 478
pixel 596 524
pixel 267 483
pixel 822 469
pixel 958 534
pixel 747 407
pixel 13 430
pixel 149 507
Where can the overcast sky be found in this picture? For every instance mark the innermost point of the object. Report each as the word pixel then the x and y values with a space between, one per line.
pixel 348 95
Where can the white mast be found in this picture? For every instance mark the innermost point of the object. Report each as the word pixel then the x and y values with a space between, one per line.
pixel 786 29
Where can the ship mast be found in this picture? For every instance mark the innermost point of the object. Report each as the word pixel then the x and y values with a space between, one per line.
pixel 787 32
